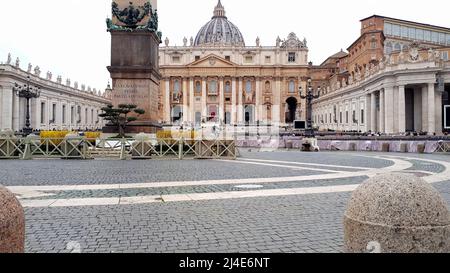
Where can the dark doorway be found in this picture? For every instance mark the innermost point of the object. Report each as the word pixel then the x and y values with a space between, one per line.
pixel 291 109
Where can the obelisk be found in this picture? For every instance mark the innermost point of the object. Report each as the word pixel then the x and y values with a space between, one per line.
pixel 134 66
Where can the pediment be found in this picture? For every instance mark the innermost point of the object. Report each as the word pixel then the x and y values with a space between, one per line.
pixel 212 61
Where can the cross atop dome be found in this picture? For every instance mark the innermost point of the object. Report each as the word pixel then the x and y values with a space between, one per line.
pixel 219 11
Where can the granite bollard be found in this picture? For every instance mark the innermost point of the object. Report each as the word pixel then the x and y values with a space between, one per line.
pixel 12 223
pixel 397 213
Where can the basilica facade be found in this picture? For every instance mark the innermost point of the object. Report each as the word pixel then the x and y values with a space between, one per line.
pixel 216 77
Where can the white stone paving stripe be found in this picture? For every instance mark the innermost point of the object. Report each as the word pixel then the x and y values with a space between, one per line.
pixel 306 164
pixel 183 197
pixel 32 191
pixel 281 166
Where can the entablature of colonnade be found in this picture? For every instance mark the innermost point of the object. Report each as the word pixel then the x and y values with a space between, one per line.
pixel 11 75
pixel 396 75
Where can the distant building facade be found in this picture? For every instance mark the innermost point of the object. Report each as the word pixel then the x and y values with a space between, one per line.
pixel 395 79
pixel 61 105
pixel 216 77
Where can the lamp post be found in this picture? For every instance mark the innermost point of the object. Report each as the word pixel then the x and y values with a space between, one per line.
pixel 28 92
pixel 309 98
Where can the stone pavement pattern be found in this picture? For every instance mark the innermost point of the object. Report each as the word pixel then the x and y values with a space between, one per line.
pixel 284 223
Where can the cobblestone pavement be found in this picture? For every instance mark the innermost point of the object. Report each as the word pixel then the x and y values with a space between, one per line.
pixel 209 220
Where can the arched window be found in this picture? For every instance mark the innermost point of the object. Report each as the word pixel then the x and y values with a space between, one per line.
pixel 398 47
pixel 227 87
pixel 291 86
pixel 248 86
pixel 212 87
pixel 198 87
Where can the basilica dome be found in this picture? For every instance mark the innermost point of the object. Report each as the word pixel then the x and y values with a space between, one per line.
pixel 219 31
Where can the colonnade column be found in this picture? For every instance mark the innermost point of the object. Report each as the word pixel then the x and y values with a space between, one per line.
pixel 431 109
pixel 382 108
pixel 373 106
pixel 424 108
pixel 389 110
pixel 6 110
pixel 401 109
pixel 16 113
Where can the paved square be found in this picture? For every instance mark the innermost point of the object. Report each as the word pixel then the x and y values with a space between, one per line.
pixel 262 202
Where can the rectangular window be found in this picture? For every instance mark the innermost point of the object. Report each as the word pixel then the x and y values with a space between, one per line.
pixel 434 37
pixel 419 34
pixel 43 110
pixel 86 116
pixel 412 33
pixel 268 59
pixel 346 117
pixel 354 116
pixel 72 115
pixel 373 44
pixel 396 30
pixel 175 59
pixel 442 38
pixel 387 29
pixel 404 32
pixel 64 114
pixel 291 57
pixel 248 59
pixel 340 117
pixel 92 115
pixel 444 55
pixel 228 58
pixel 362 116
pixel 197 58
pixel 448 39
pixel 53 113
pixel 427 35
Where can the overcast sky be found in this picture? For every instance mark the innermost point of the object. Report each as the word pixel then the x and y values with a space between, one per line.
pixel 69 38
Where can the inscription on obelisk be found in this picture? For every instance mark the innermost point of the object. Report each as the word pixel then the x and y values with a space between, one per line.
pixel 134 66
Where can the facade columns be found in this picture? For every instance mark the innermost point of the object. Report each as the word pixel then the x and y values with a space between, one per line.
pixel 240 102
pixel 204 98
pixel 191 101
pixel 258 101
pixel 382 120
pixel 221 100
pixel 233 101
pixel 276 107
pixel 185 99
pixel 401 109
pixel 373 106
pixel 167 115
pixel 431 109
pixel 389 110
